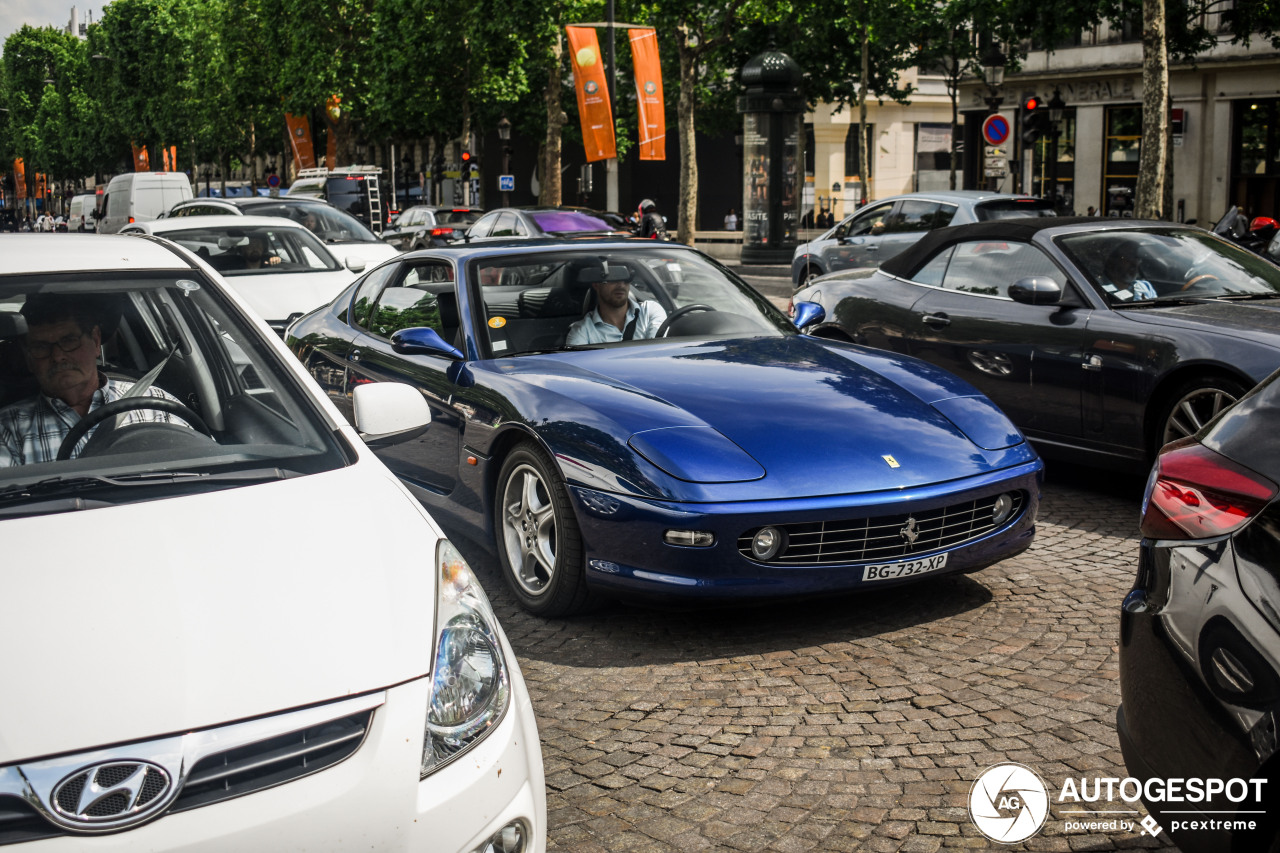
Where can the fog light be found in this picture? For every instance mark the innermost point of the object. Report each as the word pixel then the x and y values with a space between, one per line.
pixel 512 838
pixel 691 538
pixel 767 543
pixel 1001 511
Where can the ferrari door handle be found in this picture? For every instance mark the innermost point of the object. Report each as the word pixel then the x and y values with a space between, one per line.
pixel 937 320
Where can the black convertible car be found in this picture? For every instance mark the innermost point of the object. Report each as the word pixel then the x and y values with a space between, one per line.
pixel 1102 340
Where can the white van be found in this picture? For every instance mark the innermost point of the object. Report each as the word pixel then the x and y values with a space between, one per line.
pixel 141 197
pixel 80 217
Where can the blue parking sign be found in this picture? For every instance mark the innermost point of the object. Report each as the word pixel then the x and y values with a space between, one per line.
pixel 506 183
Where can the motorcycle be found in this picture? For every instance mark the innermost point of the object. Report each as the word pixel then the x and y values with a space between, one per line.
pixel 1260 236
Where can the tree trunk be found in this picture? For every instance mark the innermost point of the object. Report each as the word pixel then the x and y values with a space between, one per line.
pixel 863 81
pixel 1155 116
pixel 551 190
pixel 953 90
pixel 687 211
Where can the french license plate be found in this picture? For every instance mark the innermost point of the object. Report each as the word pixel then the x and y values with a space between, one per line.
pixel 904 569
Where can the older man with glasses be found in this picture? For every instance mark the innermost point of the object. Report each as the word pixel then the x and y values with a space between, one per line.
pixel 62 346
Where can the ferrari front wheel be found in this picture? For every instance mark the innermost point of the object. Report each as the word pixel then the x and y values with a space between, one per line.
pixel 539 542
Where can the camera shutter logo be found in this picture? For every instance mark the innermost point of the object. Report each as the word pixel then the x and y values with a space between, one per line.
pixel 1009 802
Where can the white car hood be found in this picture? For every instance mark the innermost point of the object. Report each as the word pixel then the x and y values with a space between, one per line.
pixel 142 620
pixel 277 295
pixel 371 253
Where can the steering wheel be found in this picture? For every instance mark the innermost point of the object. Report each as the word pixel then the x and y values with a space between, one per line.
pixel 676 314
pixel 127 404
pixel 1196 279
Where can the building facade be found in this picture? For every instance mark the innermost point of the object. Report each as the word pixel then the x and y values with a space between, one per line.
pixel 1225 122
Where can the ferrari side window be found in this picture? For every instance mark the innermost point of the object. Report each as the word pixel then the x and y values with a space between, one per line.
pixel 367 295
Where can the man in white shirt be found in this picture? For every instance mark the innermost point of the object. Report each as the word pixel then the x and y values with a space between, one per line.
pixel 617 315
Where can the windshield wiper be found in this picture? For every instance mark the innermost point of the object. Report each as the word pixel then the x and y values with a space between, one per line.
pixel 1165 301
pixel 70 485
pixel 1245 297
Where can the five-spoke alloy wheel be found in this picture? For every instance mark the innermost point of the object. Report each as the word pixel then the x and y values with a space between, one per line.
pixel 539 543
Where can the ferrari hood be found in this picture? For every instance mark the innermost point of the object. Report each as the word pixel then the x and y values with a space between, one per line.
pixel 795 414
pixel 170 615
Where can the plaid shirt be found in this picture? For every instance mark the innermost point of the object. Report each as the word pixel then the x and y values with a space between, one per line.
pixel 31 431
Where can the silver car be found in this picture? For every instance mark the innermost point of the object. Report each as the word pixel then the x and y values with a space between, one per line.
pixel 884 228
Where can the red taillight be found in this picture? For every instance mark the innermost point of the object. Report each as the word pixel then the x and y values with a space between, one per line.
pixel 441 232
pixel 1195 493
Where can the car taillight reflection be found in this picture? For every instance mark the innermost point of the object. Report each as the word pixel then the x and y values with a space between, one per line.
pixel 1194 493
pixel 441 232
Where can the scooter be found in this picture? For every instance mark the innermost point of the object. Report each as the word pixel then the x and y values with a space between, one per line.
pixel 1258 236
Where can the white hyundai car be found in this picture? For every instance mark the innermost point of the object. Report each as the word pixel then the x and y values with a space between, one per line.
pixel 278 266
pixel 230 627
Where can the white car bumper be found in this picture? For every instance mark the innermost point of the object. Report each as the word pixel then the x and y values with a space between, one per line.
pixel 373 800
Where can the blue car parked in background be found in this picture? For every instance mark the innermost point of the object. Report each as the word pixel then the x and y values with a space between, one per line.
pixel 725 456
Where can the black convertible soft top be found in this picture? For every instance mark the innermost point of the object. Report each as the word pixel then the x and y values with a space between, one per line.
pixel 905 264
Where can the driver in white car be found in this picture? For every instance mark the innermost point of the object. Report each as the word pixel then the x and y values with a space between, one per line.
pixel 62 346
pixel 617 316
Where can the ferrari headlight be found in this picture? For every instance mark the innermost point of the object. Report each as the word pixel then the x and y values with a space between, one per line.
pixel 470 685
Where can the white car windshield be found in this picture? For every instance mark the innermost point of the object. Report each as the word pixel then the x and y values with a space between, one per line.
pixel 184 393
pixel 233 249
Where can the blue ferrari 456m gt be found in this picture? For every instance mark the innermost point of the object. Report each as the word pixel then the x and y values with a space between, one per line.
pixel 632 419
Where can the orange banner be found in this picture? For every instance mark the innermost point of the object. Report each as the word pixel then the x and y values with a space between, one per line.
pixel 170 158
pixel 20 179
pixel 300 138
pixel 653 119
pixel 42 187
pixel 141 162
pixel 593 94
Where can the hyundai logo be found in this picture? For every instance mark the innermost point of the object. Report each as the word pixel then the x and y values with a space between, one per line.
pixel 111 794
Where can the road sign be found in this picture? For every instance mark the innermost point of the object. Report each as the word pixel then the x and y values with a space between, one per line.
pixel 273 181
pixel 995 129
pixel 506 183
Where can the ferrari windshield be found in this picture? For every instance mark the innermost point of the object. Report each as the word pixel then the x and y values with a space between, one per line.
pixel 534 302
pixel 142 378
pixel 1154 264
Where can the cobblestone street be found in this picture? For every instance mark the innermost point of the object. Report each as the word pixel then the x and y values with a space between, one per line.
pixel 853 723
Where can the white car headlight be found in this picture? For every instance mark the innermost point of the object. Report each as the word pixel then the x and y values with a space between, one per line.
pixel 470 684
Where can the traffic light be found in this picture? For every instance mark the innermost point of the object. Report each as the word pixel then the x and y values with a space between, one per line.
pixel 470 166
pixel 1032 113
pixel 437 168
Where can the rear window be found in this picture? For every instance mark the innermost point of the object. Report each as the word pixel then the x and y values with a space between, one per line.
pixel 310 186
pixel 1014 208
pixel 560 221
pixel 457 217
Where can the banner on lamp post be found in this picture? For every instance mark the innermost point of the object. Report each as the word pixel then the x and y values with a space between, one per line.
pixel 648 73
pixel 593 94
pixel 20 179
pixel 300 140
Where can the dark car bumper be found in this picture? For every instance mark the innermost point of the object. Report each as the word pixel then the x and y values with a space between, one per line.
pixel 626 551
pixel 1171 726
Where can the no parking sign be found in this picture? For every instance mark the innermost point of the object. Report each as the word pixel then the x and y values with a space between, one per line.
pixel 995 129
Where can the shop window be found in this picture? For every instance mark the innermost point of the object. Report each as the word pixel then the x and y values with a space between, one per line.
pixel 1120 170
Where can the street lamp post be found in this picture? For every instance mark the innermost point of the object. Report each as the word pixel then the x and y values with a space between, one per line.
pixel 1056 106
pixel 993 74
pixel 504 133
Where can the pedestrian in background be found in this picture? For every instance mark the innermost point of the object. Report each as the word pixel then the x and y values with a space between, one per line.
pixel 731 221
